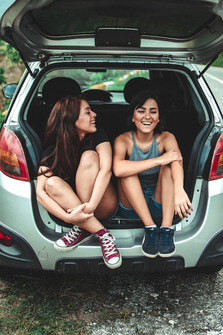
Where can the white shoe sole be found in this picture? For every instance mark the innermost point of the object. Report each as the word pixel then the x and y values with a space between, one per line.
pixel 114 266
pixel 167 255
pixel 58 248
pixel 149 255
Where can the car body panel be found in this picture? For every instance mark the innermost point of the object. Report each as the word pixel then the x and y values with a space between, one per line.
pixel 25 26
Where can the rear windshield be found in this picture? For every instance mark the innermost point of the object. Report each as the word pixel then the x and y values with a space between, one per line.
pixel 177 18
pixel 109 80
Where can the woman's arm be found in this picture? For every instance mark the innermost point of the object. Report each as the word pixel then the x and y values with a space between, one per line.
pixel 104 151
pixel 182 202
pixel 126 168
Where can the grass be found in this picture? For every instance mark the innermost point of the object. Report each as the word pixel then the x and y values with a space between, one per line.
pixel 48 303
pixel 39 306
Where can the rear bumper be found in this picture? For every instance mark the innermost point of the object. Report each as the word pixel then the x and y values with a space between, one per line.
pixel 33 247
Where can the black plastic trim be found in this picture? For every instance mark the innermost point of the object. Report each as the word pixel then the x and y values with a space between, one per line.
pixel 129 265
pixel 26 259
pixel 213 253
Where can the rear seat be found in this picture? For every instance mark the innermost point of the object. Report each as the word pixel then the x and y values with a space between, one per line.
pixel 112 117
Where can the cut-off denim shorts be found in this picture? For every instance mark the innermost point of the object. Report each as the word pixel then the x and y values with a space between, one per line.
pixel 154 207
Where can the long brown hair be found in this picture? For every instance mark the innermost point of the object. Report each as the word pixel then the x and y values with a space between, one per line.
pixel 62 135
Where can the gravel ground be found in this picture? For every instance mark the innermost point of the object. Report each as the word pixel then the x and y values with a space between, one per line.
pixel 186 302
pixel 165 304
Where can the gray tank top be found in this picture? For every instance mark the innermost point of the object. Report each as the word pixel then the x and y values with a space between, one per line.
pixel 148 178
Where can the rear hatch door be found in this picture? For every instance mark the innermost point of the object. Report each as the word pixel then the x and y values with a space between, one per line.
pixel 187 30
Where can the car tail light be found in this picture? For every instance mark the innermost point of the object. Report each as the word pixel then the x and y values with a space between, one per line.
pixel 216 171
pixel 5 240
pixel 12 158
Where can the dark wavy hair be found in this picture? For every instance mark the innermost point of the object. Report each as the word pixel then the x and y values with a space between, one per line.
pixel 62 135
pixel 136 102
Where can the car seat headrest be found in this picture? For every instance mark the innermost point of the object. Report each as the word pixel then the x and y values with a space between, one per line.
pixel 134 86
pixel 57 88
pixel 96 95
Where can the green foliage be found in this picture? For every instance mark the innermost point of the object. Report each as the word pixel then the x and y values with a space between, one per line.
pixel 13 55
pixel 1 119
pixel 101 77
pixel 2 77
pixel 115 80
pixel 219 60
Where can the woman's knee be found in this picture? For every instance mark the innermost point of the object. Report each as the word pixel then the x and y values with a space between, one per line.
pixel 89 160
pixel 53 185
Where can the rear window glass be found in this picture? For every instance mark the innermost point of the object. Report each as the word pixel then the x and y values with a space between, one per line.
pixel 178 19
pixel 109 80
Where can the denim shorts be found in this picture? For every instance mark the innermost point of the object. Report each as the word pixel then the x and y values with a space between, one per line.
pixel 154 207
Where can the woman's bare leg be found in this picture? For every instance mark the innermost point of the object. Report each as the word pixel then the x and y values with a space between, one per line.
pixel 131 196
pixel 86 175
pixel 164 194
pixel 85 179
pixel 64 196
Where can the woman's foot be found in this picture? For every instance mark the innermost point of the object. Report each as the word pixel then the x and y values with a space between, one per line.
pixel 150 242
pixel 111 255
pixel 166 244
pixel 72 239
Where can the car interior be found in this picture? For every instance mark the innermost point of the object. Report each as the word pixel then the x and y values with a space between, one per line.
pixel 181 110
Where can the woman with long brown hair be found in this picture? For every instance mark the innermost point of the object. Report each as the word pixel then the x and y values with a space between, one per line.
pixel 73 182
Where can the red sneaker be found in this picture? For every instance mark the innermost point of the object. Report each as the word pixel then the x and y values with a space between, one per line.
pixel 72 239
pixel 111 255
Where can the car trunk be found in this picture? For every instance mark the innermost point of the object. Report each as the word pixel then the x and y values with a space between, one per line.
pixel 181 110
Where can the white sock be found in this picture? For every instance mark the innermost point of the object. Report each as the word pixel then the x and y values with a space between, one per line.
pixel 166 227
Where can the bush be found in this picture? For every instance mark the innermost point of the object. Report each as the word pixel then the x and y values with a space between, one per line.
pixel 2 77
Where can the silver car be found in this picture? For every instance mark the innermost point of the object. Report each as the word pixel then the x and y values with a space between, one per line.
pixel 99 46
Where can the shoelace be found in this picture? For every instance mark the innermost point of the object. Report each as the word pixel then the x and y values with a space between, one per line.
pixel 109 247
pixel 73 234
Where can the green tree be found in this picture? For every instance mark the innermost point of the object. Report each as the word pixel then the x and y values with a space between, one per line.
pixel 2 77
pixel 13 56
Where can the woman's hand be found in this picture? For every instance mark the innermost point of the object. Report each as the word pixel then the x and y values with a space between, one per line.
pixel 170 156
pixel 183 206
pixel 89 209
pixel 77 214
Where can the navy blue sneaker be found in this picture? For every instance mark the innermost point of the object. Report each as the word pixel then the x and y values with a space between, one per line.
pixel 150 242
pixel 166 243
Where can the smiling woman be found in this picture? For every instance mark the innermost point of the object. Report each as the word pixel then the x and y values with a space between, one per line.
pixel 148 163
pixel 73 183
pixel 85 123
